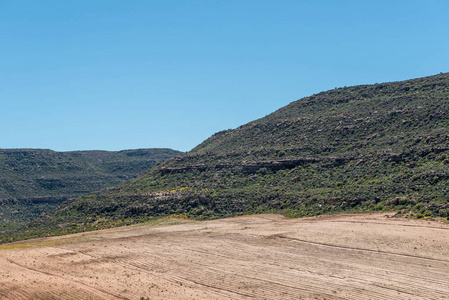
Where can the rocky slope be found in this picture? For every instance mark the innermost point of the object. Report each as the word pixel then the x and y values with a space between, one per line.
pixel 33 181
pixel 40 173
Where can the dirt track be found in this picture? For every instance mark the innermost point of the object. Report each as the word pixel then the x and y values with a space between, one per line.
pixel 251 257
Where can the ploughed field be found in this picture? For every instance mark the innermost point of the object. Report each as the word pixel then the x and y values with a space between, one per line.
pixel 250 257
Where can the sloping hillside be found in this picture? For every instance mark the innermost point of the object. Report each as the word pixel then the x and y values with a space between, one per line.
pixel 361 148
pixel 42 173
pixel 33 181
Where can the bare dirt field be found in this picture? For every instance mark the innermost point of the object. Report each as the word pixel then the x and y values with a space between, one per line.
pixel 250 257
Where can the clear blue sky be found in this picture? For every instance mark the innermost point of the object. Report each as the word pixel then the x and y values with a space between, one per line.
pixel 112 75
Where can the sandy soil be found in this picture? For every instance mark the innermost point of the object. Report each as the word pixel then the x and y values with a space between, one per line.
pixel 250 257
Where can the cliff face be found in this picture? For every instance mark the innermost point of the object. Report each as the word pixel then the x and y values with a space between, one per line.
pixel 371 147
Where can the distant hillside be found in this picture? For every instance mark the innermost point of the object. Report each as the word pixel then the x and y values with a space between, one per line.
pixel 37 173
pixel 362 148
pixel 33 181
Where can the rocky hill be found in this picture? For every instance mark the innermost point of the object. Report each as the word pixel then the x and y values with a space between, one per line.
pixel 39 173
pixel 33 181
pixel 362 148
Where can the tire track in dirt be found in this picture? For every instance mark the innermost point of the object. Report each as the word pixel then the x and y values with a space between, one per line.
pixel 359 249
pixel 96 291
pixel 156 269
pixel 379 285
pixel 203 278
pixel 310 288
pixel 252 257
pixel 153 269
pixel 391 224
pixel 420 288
pixel 13 292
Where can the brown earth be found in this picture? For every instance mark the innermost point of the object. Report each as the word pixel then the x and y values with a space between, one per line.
pixel 250 257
